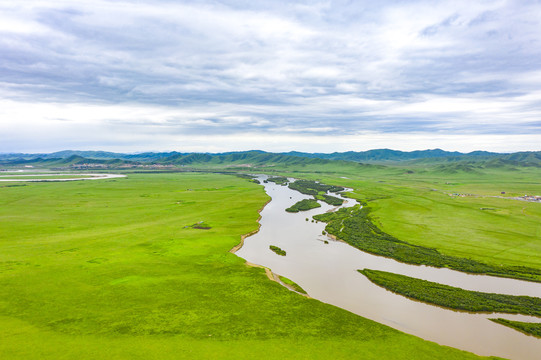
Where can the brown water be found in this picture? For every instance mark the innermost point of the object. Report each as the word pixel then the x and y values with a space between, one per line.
pixel 328 273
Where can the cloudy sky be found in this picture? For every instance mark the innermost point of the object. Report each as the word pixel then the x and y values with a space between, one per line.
pixel 318 76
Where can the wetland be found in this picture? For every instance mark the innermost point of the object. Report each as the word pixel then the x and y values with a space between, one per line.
pixel 328 272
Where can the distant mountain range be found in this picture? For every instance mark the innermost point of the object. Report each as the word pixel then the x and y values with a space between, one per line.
pixel 379 156
pixel 370 155
pixel 97 155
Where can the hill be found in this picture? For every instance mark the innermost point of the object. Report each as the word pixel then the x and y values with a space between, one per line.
pixel 458 161
pixel 388 155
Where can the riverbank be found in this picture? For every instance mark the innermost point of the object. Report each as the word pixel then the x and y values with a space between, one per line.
pixel 244 236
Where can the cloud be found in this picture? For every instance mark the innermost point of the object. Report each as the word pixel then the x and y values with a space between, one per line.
pixel 237 68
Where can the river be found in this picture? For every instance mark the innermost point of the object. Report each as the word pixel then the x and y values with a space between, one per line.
pixel 328 272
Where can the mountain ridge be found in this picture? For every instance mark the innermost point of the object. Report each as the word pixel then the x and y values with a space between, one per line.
pixel 376 156
pixel 368 155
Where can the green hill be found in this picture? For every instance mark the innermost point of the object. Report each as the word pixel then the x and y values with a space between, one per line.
pixel 449 162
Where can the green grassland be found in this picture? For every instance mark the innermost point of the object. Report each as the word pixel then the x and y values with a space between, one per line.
pixel 116 269
pixel 489 229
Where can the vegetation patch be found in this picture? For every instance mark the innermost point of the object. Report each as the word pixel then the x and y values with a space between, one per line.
pixel 314 188
pixel 98 260
pixel 280 180
pixel 303 205
pixel 533 329
pixel 332 200
pixel 277 250
pixel 292 285
pixel 249 177
pixel 245 176
pixel 201 225
pixel 354 226
pixel 452 297
pixel 318 191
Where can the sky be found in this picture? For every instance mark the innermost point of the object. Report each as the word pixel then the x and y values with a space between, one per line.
pixel 314 76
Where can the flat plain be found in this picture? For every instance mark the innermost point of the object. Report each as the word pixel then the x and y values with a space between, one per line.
pixel 116 269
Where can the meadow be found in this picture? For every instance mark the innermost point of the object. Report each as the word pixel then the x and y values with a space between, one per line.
pixel 119 269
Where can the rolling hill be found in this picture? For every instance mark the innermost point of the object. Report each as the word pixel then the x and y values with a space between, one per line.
pixel 447 161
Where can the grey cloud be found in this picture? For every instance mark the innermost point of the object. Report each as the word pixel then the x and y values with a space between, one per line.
pixel 337 67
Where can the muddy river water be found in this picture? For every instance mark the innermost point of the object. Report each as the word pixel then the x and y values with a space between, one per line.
pixel 328 272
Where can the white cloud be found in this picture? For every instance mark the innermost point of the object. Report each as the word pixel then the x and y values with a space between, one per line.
pixel 187 68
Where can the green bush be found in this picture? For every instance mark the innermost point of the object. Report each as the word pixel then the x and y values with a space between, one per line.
pixel 309 187
pixel 303 205
pixel 277 250
pixel 280 180
pixel 332 200
pixel 452 297
pixel 533 329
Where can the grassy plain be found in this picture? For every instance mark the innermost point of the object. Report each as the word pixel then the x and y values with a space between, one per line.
pixel 115 269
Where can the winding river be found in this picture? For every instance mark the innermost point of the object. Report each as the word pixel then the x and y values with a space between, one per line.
pixel 328 272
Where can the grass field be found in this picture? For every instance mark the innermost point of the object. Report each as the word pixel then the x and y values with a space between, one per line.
pixel 115 269
pixel 494 230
